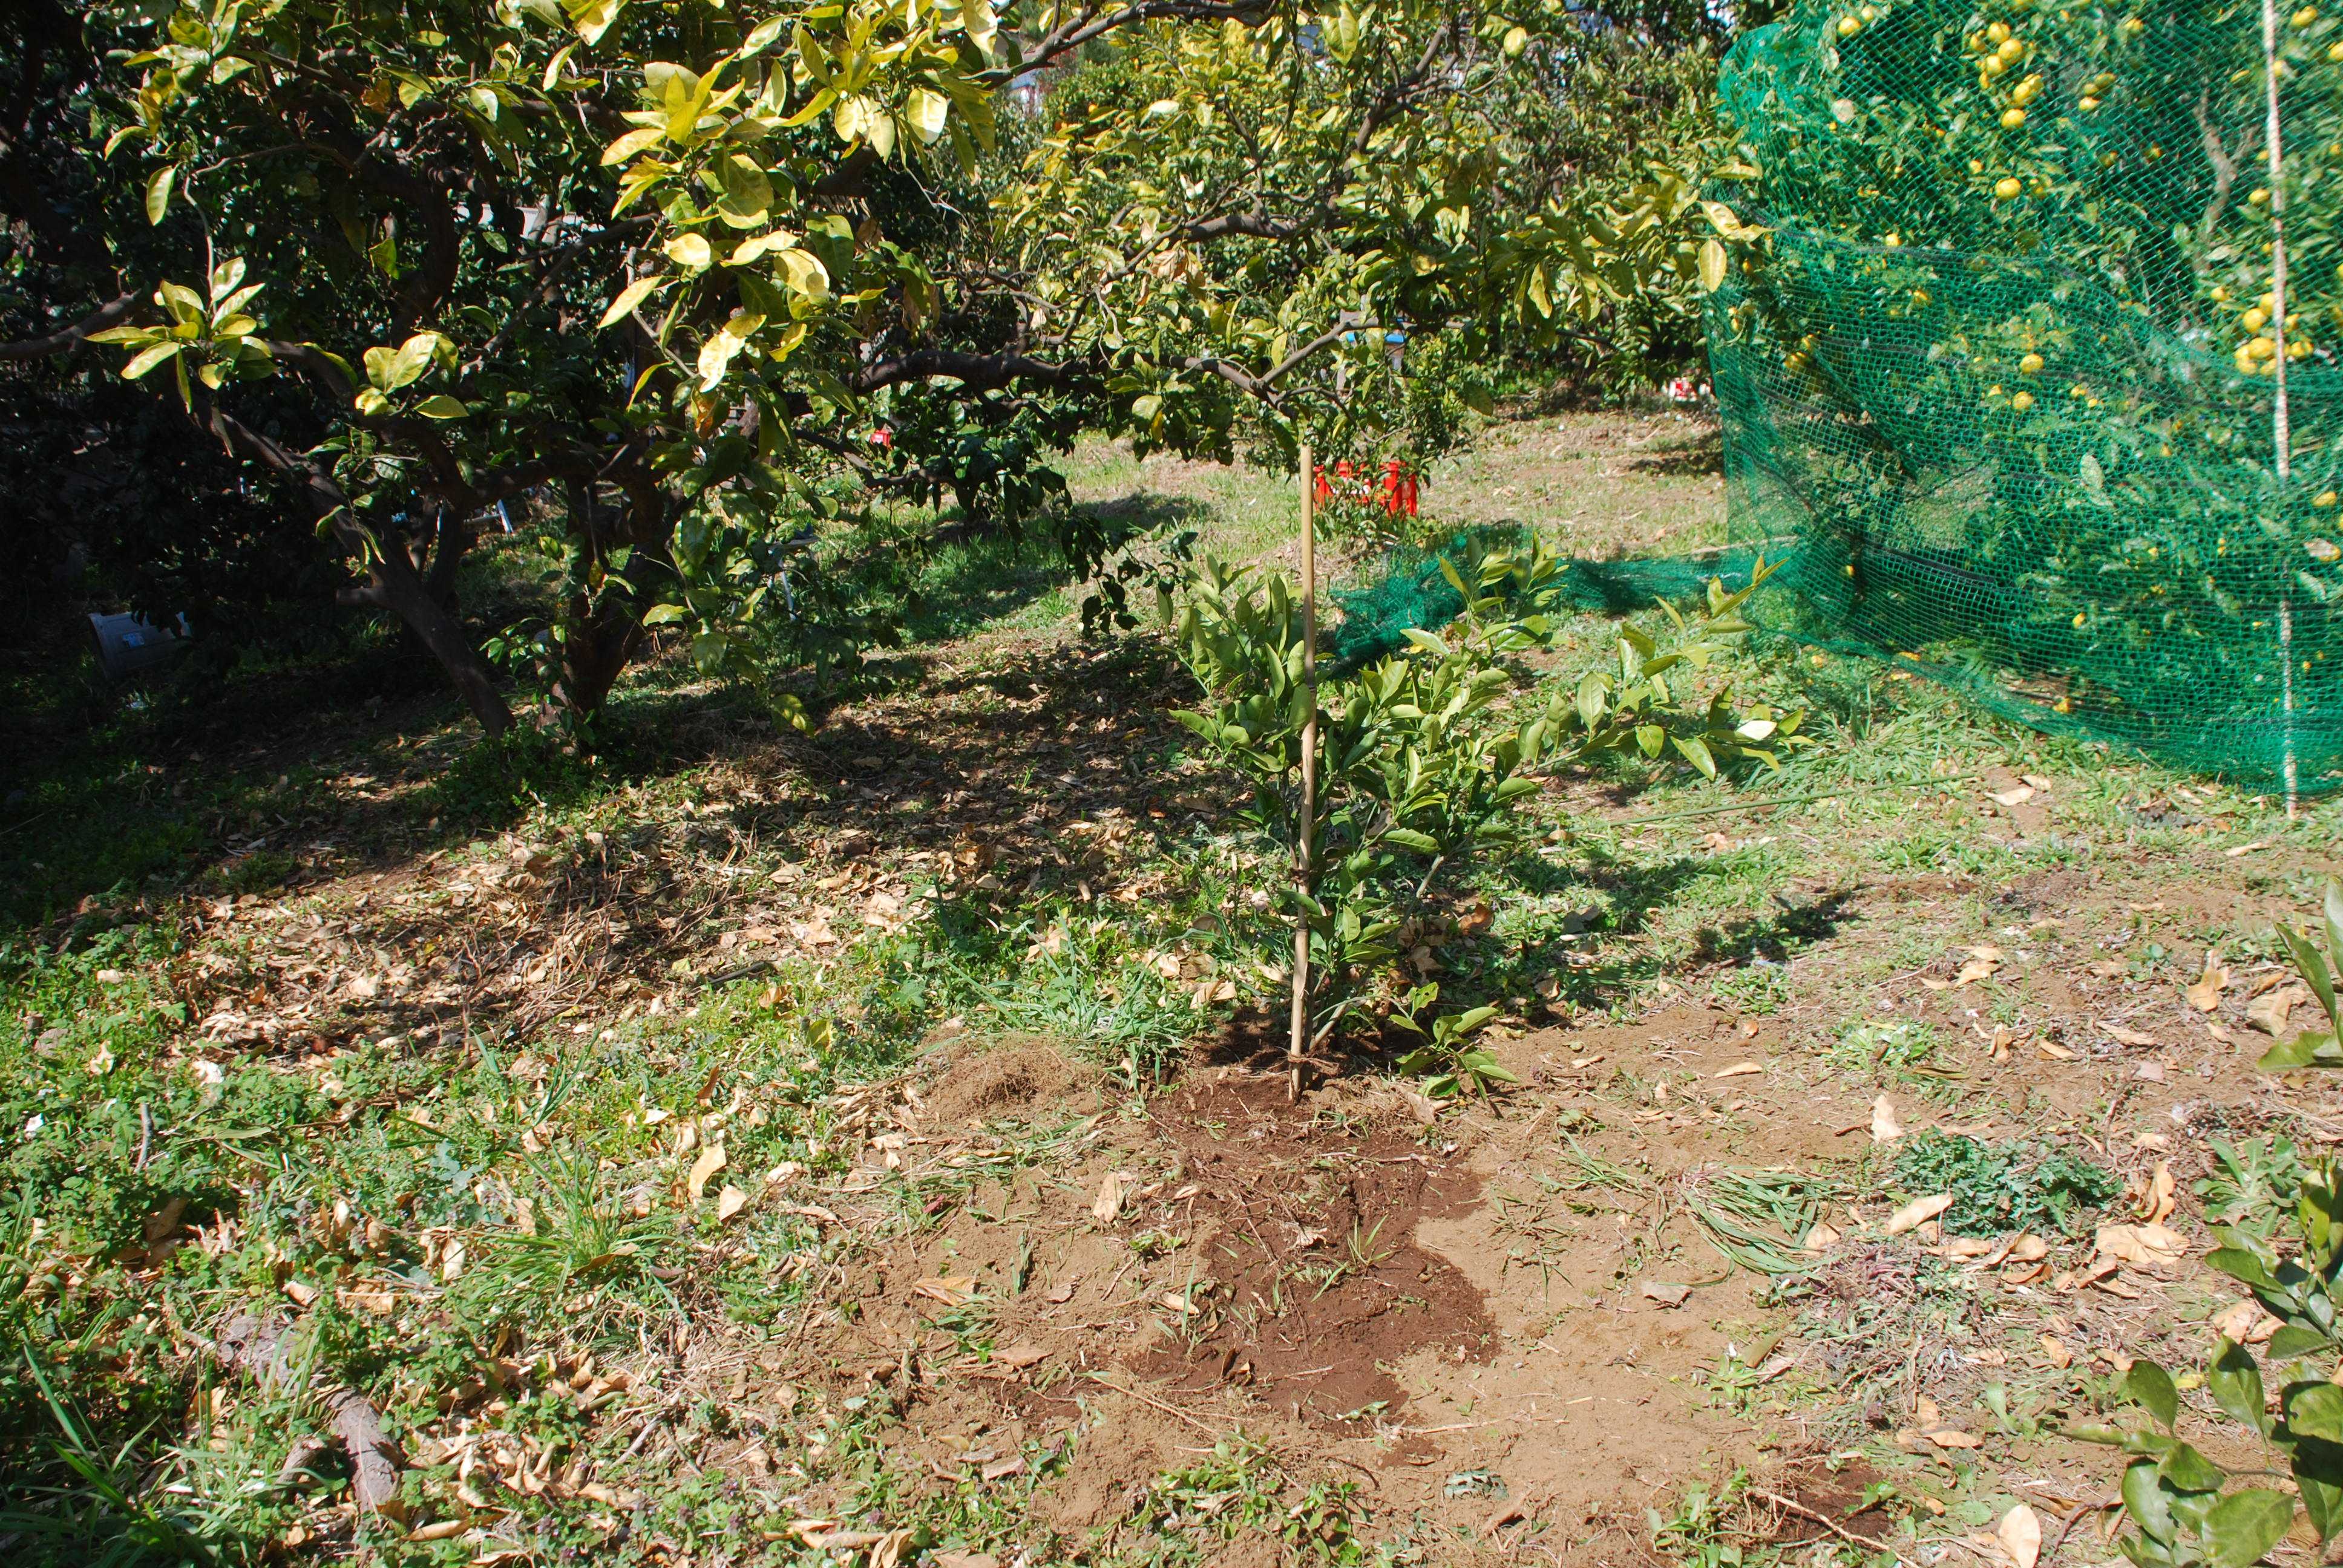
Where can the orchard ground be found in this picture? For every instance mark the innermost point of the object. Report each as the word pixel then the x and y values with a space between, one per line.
pixel 868 1146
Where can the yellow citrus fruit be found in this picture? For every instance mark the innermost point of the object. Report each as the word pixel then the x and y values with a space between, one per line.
pixel 2262 349
pixel 2134 26
pixel 2324 498
pixel 2012 118
pixel 1849 26
pixel 2006 188
pixel 2306 17
pixel 2078 620
pixel 2030 364
pixel 2022 402
pixel 2335 50
pixel 1997 32
pixel 2220 294
pixel 2087 105
pixel 2255 319
pixel 2258 196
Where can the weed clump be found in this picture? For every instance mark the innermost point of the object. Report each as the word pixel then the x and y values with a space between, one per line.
pixel 2002 1187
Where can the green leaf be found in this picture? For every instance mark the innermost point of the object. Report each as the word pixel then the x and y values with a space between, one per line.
pixel 2293 1342
pixel 2150 1385
pixel 2184 1469
pixel 1696 752
pixel 1409 839
pixel 2314 1409
pixel 147 360
pixel 2243 1526
pixel 665 614
pixel 2318 1471
pixel 440 406
pixel 159 192
pixel 2149 1506
pixel 2237 1385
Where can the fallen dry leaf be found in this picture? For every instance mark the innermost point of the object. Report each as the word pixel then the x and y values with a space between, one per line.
pixel 1742 1070
pixel 2245 1323
pixel 2154 1203
pixel 964 1560
pixel 2269 1010
pixel 2125 1035
pixel 1109 1202
pixel 1951 1437
pixel 2055 1052
pixel 1884 1128
pixel 2016 796
pixel 952 1290
pixel 729 1202
pixel 1021 1355
pixel 2055 1350
pixel 2140 1245
pixel 711 1161
pixel 1665 1294
pixel 1918 1212
pixel 2028 1248
pixel 2020 1533
pixel 1820 1238
pixel 2206 994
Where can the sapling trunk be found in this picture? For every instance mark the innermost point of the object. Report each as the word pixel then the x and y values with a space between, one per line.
pixel 1298 1043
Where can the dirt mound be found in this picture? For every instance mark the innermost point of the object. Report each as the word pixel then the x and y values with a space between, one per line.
pixel 1006 1080
pixel 1320 1285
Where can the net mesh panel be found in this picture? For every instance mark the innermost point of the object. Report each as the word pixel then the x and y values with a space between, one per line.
pixel 1407 590
pixel 2000 379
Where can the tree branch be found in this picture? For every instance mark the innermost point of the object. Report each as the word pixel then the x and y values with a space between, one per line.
pixel 110 314
pixel 1073 33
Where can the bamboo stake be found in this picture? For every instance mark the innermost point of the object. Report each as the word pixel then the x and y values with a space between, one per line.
pixel 1298 1044
pixel 2281 432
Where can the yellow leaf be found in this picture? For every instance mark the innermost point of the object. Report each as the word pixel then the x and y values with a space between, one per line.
pixel 691 251
pixel 925 112
pixel 631 144
pixel 1712 265
pixel 631 295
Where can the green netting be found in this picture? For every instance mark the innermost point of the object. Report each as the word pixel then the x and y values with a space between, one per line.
pixel 1407 591
pixel 2002 378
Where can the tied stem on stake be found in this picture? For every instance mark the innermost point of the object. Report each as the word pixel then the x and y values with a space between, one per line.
pixel 1298 1043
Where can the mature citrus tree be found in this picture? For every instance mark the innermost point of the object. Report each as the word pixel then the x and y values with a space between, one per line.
pixel 662 269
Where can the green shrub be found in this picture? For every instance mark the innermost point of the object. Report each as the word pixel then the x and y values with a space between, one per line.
pixel 1998 1188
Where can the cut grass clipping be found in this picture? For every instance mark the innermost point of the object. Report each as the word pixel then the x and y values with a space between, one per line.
pixel 1999 1188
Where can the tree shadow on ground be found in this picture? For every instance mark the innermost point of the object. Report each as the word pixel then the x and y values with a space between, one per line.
pixel 1701 454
